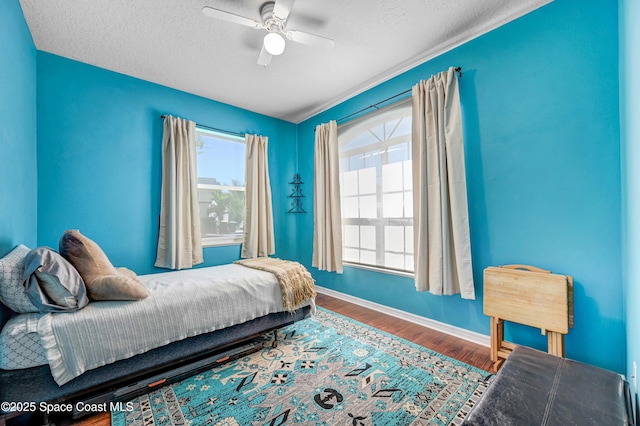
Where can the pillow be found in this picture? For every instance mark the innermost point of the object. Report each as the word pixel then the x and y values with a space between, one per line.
pixel 54 290
pixel 12 291
pixel 103 281
pixel 127 272
pixel 52 283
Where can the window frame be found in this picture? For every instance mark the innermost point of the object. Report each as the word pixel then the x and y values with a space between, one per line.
pixel 227 239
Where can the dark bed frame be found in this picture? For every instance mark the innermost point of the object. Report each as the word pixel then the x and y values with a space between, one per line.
pixel 127 378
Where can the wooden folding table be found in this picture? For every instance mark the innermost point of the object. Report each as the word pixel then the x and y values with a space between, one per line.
pixel 531 296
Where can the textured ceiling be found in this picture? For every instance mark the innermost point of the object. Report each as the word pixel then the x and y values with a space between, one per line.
pixel 170 42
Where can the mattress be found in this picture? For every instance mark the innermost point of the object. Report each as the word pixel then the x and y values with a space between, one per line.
pixel 20 343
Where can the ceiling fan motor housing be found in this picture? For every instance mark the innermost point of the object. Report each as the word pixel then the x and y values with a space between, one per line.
pixel 271 22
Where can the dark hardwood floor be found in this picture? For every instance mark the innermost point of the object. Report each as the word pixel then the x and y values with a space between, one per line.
pixel 462 350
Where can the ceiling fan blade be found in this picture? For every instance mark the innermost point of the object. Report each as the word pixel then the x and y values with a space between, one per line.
pixel 282 8
pixel 311 39
pixel 265 57
pixel 230 17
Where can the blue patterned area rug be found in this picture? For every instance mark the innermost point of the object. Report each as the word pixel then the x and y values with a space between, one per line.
pixel 327 370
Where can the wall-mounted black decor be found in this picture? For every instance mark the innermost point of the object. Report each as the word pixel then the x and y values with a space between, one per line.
pixel 296 194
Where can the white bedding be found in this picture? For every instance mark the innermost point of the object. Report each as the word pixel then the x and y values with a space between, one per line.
pixel 181 304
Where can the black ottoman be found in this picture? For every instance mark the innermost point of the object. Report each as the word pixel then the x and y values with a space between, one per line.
pixel 535 388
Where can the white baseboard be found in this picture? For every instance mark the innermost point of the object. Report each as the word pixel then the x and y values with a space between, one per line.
pixel 471 336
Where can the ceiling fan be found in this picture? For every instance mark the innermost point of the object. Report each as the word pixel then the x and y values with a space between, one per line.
pixel 273 16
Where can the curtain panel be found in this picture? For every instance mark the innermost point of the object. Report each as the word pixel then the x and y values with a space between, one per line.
pixel 327 219
pixel 259 237
pixel 179 238
pixel 441 218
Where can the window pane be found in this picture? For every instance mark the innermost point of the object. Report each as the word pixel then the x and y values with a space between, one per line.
pixel 378 132
pixel 403 129
pixel 221 159
pixel 358 142
pixel 344 164
pixel 398 152
pixel 408 180
pixel 390 128
pixel 392 177
pixel 351 236
pixel 350 207
pixel 408 232
pixel 221 168
pixel 349 183
pixel 392 205
pixel 367 182
pixel 368 237
pixel 356 162
pixel 394 238
pixel 408 262
pixel 368 257
pixel 408 204
pixel 351 255
pixel 368 207
pixel 393 260
pixel 372 159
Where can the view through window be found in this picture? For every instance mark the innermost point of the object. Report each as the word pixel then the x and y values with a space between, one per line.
pixel 376 189
pixel 221 167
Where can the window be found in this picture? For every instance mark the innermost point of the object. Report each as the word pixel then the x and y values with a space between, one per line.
pixel 221 165
pixel 376 189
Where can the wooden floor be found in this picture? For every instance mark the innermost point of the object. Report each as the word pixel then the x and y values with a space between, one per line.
pixel 462 350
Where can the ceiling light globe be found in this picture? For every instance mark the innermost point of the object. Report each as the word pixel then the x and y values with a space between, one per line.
pixel 274 43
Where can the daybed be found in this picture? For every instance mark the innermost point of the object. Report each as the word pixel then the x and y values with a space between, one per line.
pixel 111 350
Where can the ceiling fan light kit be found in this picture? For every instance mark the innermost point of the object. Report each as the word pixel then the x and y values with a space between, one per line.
pixel 274 44
pixel 274 20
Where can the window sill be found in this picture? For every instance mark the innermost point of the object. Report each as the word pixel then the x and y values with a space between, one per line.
pixel 221 241
pixel 380 269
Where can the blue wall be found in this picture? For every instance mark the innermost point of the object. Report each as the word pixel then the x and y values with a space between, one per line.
pixel 99 159
pixel 540 105
pixel 630 136
pixel 18 186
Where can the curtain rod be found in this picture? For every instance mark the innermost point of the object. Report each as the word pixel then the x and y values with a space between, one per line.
pixel 242 135
pixel 457 69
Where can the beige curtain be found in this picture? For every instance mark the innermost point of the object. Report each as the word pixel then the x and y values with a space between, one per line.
pixel 327 220
pixel 441 217
pixel 258 213
pixel 179 239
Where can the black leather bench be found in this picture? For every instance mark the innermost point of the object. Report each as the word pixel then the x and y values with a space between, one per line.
pixel 535 388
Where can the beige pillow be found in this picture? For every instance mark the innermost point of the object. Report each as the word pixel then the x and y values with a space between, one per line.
pixel 103 281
